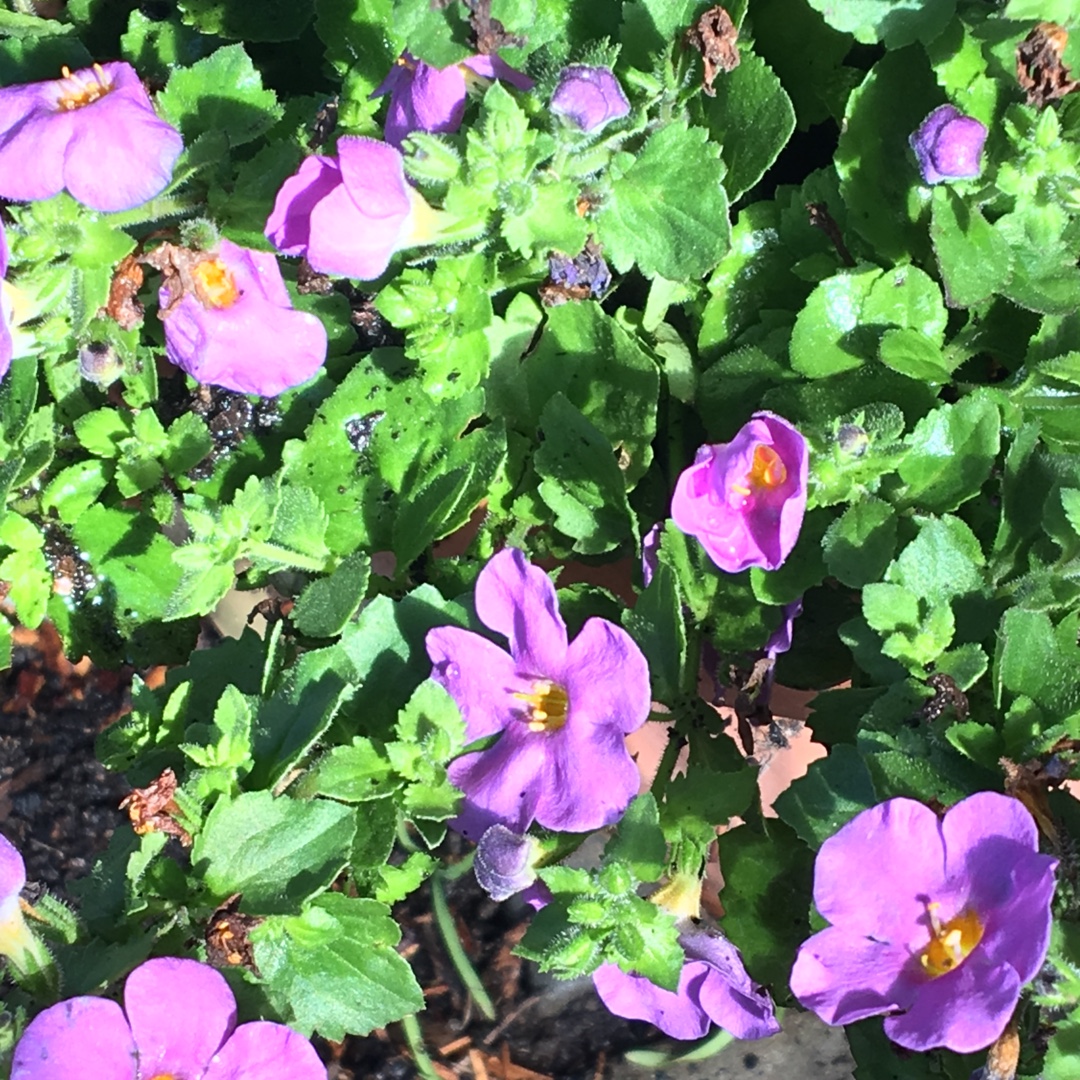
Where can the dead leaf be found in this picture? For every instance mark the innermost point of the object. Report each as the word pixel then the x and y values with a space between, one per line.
pixel 715 37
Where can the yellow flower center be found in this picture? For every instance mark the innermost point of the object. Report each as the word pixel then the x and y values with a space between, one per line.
pixel 951 942
pixel 548 706
pixel 81 90
pixel 163 1076
pixel 767 471
pixel 215 285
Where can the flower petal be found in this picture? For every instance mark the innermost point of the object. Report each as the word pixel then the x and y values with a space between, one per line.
pixel 32 155
pixel 986 815
pixel 875 876
pixel 727 994
pixel 65 1038
pixel 965 1010
pixel 12 870
pixel 265 1051
pixel 491 66
pixel 607 678
pixel 478 675
pixel 288 227
pixel 180 1012
pixel 517 599
pixel 434 100
pixel 634 997
pixel 844 977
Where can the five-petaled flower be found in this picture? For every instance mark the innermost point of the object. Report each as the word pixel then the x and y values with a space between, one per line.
pixel 589 97
pixel 948 145
pixel 745 500
pixel 349 214
pixel 563 707
pixel 229 322
pixel 93 132
pixel 937 923
pixel 180 1023
pixel 426 98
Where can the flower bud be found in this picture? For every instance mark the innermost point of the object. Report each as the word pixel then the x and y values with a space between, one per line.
pixel 504 862
pixel 99 363
pixel 590 97
pixel 852 439
pixel 948 145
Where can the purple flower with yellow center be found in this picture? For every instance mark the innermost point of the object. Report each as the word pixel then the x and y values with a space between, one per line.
pixel 589 97
pixel 178 1023
pixel 93 132
pixel 426 98
pixel 347 215
pixel 948 145
pixel 229 322
pixel 745 500
pixel 561 708
pixel 936 923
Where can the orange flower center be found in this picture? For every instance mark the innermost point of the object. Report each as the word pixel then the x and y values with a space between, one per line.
pixel 81 90
pixel 163 1076
pixel 767 471
pixel 951 942
pixel 215 285
pixel 548 706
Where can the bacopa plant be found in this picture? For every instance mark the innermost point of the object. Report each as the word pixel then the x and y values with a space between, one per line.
pixel 769 310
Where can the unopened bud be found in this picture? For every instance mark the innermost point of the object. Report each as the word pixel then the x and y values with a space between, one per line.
pixel 853 439
pixel 99 363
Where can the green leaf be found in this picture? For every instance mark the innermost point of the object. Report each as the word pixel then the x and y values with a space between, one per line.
pixel 580 480
pixel 859 544
pixel 942 562
pixel 889 607
pixel 702 798
pixel 668 211
pixel 30 579
pixel 638 841
pixel 334 967
pixel 359 772
pixel 828 337
pixel 222 94
pixel 1029 660
pixel 657 624
pixel 752 118
pixel 103 431
pixel 269 20
pixel 914 355
pixel 906 297
pixel 951 452
pixel 974 259
pixel 327 604
pixel 277 852
pixel 895 22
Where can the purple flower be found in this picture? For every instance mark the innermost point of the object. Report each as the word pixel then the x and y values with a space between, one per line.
pixel 349 214
pixel 93 132
pixel 937 923
pixel 590 97
pixel 587 273
pixel 6 343
pixel 745 500
pixel 426 98
pixel 13 931
pixel 780 639
pixel 505 862
pixel 563 708
pixel 233 324
pixel 180 1022
pixel 948 145
pixel 713 988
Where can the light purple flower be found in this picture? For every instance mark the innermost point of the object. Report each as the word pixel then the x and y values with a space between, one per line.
pixel 349 214
pixel 948 145
pixel 745 500
pixel 590 97
pixel 236 326
pixel 713 988
pixel 6 343
pixel 505 862
pixel 563 708
pixel 935 922
pixel 426 98
pixel 180 1022
pixel 93 132
pixel 12 880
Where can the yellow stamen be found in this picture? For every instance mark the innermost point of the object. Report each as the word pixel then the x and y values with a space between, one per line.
pixel 549 706
pixel 215 285
pixel 80 91
pixel 951 942
pixel 767 470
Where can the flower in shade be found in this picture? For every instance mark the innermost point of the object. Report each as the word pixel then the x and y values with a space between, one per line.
pixel 714 988
pixel 93 132
pixel 562 707
pixel 937 923
pixel 229 322
pixel 426 98
pixel 349 214
pixel 745 500
pixel 589 97
pixel 178 1021
pixel 948 145
pixel 505 862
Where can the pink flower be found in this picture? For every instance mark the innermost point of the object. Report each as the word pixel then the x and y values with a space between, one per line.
pixel 180 1022
pixel 745 500
pixel 589 97
pixel 7 346
pixel 948 145
pixel 347 215
pixel 235 325
pixel 93 132
pixel 426 98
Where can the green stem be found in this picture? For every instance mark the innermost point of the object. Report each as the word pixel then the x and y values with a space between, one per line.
pixel 414 1037
pixel 164 206
pixel 273 553
pixel 456 950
